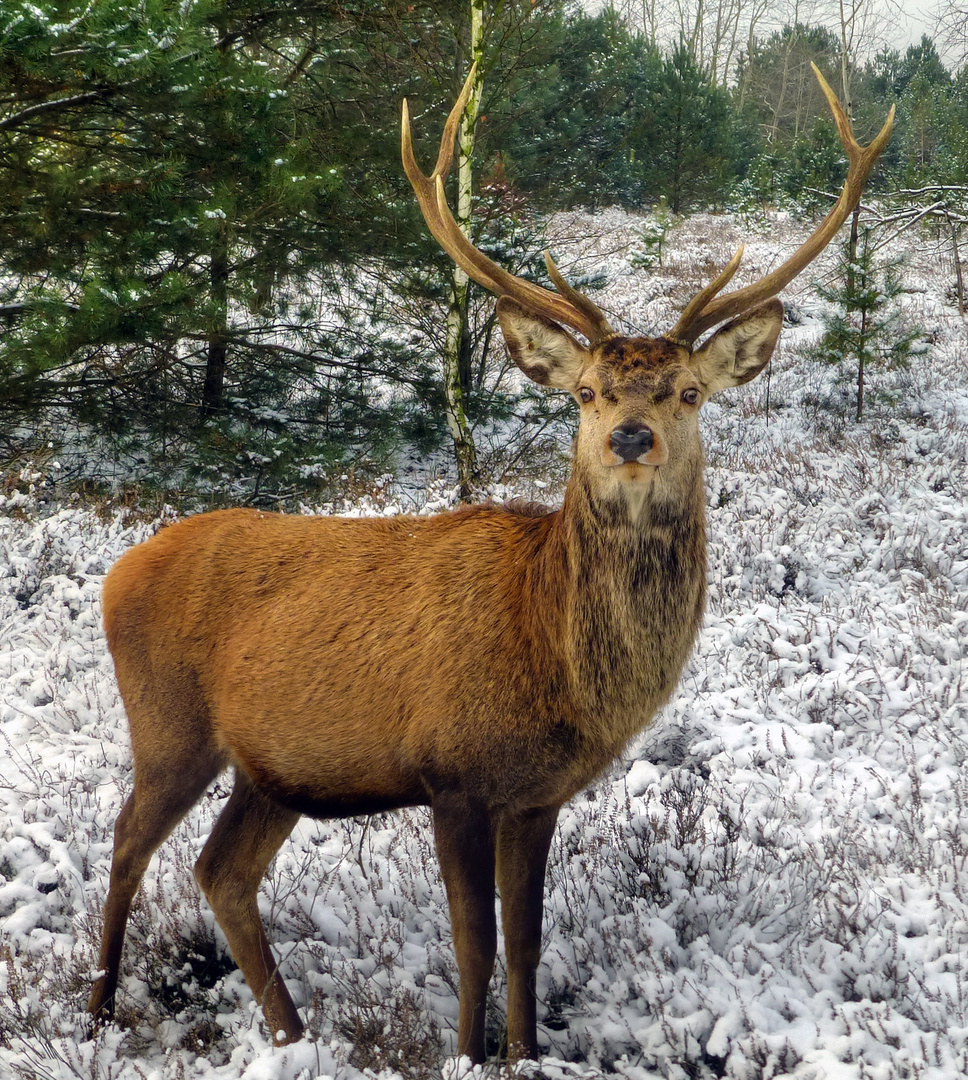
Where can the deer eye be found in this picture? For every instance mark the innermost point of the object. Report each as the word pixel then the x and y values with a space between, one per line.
pixel 690 396
pixel 586 394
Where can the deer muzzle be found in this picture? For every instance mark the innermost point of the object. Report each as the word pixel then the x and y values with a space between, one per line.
pixel 632 441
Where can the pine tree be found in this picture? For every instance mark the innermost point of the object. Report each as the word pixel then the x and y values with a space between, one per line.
pixel 651 237
pixel 211 255
pixel 865 329
pixel 579 134
pixel 691 157
pixel 160 183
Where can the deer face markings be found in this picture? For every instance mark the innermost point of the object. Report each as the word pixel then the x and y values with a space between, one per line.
pixel 639 404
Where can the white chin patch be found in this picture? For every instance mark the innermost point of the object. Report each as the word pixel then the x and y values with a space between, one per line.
pixel 635 496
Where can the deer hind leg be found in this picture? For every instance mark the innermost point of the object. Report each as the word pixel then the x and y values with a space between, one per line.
pixel 163 793
pixel 523 842
pixel 465 846
pixel 246 836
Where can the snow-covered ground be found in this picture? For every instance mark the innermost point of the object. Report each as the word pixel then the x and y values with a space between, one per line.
pixel 774 880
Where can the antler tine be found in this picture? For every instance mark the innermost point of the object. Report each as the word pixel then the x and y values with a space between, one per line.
pixel 589 308
pixel 570 308
pixel 424 187
pixel 699 317
pixel 701 299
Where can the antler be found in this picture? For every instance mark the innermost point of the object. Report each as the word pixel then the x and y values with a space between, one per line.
pixel 703 312
pixel 567 306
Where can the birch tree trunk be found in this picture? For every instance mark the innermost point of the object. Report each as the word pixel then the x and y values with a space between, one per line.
pixel 457 346
pixel 847 13
pixel 959 276
pixel 857 35
pixel 852 291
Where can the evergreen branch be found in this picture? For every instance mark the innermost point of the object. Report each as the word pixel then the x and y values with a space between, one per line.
pixel 313 358
pixel 10 310
pixel 52 106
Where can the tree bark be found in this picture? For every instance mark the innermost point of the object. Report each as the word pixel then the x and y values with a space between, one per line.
pixel 959 277
pixel 456 348
pixel 851 290
pixel 213 393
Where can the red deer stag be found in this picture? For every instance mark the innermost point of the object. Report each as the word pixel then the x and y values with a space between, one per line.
pixel 485 662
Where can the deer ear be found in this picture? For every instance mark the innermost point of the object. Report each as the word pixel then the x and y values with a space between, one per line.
pixel 541 348
pixel 740 350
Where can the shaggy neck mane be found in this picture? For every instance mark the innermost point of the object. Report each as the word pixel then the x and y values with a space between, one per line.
pixel 632 602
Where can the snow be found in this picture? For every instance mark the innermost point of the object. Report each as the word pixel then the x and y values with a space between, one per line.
pixel 772 883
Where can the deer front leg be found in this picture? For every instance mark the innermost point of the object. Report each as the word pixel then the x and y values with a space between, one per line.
pixel 465 847
pixel 523 842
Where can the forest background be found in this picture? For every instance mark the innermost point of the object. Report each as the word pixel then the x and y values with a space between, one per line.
pixel 213 274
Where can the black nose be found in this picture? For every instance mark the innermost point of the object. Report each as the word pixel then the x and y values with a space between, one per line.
pixel 631 440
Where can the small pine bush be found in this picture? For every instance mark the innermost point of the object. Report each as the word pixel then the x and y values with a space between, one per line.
pixel 865 330
pixel 647 254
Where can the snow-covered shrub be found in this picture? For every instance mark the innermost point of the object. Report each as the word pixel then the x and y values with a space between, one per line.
pixel 647 253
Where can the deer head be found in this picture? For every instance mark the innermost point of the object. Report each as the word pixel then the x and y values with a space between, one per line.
pixel 639 396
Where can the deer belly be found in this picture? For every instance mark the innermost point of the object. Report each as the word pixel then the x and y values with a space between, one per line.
pixel 339 772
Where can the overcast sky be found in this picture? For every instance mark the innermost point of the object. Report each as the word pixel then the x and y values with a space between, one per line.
pixel 899 23
pixel 913 21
